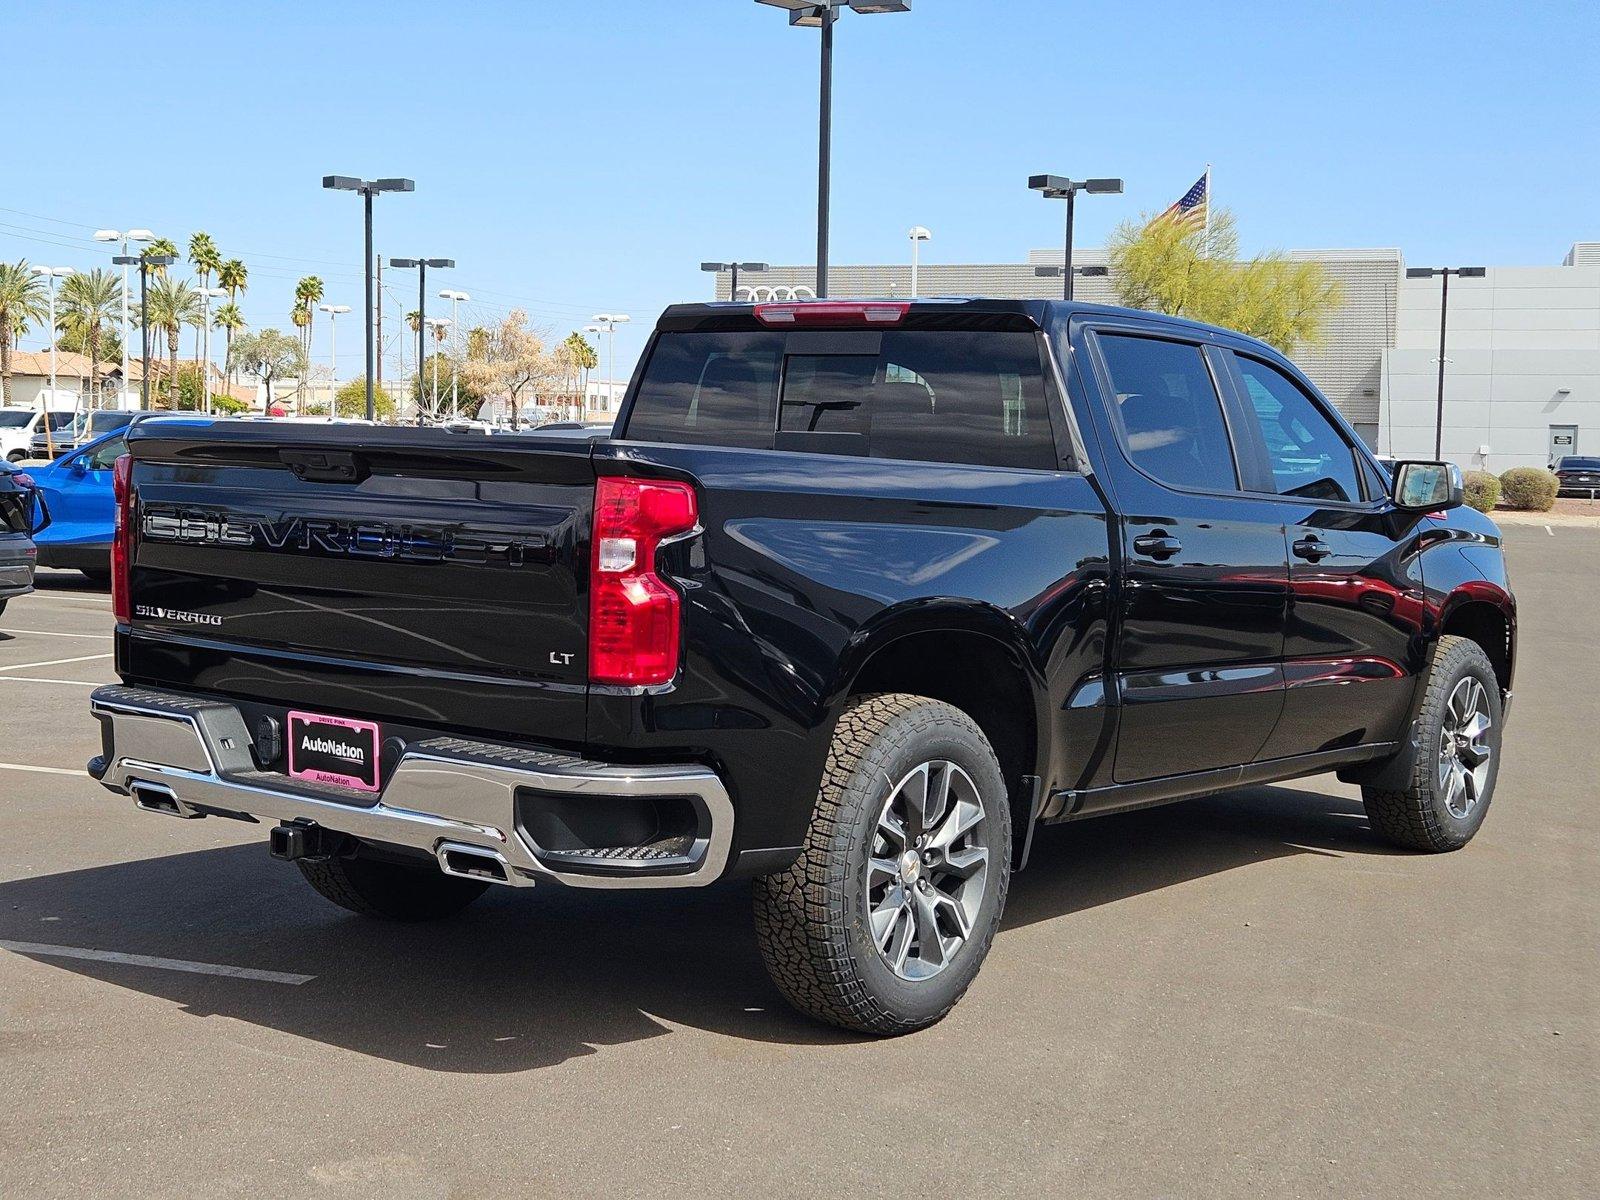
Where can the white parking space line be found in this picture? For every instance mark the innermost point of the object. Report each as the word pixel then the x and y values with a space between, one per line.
pixel 104 637
pixel 54 662
pixel 40 770
pixel 160 964
pixel 37 679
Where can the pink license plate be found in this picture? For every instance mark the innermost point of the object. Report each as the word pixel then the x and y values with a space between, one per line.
pixel 334 750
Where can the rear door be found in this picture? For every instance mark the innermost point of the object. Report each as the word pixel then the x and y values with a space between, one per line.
pixel 1204 564
pixel 1356 600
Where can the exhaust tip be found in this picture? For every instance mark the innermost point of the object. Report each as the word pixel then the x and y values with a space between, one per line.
pixel 472 862
pixel 152 798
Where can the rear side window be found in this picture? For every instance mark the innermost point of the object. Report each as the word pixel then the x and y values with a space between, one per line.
pixel 924 395
pixel 710 389
pixel 1169 411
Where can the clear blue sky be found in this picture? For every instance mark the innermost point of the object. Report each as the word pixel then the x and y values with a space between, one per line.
pixel 582 157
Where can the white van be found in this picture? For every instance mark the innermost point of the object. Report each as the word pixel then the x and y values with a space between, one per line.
pixel 18 425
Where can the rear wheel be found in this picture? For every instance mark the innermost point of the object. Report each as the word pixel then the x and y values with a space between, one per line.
pixel 16 456
pixel 394 891
pixel 1443 802
pixel 96 575
pixel 885 918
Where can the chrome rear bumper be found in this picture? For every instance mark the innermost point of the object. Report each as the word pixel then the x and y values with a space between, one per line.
pixel 448 797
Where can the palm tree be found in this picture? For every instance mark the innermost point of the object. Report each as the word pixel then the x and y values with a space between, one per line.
pixel 307 295
pixel 173 304
pixel 22 299
pixel 206 260
pixel 234 276
pixel 300 315
pixel 89 302
pixel 161 247
pixel 230 320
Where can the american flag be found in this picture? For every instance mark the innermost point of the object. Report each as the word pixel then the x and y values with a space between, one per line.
pixel 1191 208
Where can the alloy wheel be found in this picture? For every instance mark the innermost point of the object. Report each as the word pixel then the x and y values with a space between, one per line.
pixel 1464 750
pixel 927 870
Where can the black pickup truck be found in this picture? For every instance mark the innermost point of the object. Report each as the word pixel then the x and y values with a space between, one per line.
pixel 856 596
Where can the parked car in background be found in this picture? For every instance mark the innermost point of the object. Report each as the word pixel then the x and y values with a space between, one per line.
pixel 19 513
pixel 18 425
pixel 77 494
pixel 81 433
pixel 1577 475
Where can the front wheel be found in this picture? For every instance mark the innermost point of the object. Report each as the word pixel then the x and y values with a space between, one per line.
pixel 16 456
pixel 1444 799
pixel 885 918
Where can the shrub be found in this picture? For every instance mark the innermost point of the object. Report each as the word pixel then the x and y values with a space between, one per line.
pixel 1529 488
pixel 1482 491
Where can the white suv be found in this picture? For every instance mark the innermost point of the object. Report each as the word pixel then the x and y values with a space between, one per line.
pixel 18 425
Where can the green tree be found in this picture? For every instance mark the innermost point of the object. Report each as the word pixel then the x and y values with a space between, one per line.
pixel 173 304
pixel 268 355
pixel 230 320
pixel 161 247
pixel 307 295
pixel 90 303
pixel 234 276
pixel 22 299
pixel 206 260
pixel 1173 267
pixel 351 400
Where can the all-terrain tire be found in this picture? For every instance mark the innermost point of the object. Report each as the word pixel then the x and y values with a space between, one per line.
pixel 812 920
pixel 1415 815
pixel 393 891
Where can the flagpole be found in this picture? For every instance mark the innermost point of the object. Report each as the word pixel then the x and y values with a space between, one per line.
pixel 1208 210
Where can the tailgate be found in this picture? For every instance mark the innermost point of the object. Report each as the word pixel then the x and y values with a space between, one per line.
pixel 408 575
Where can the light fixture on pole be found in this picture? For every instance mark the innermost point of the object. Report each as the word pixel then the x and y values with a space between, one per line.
pixel 456 299
pixel 815 15
pixel 132 235
pixel 50 275
pixel 421 265
pixel 1059 187
pixel 1080 272
pixel 609 322
pixel 144 262
pixel 733 268
pixel 368 188
pixel 1444 311
pixel 436 324
pixel 333 311
pixel 918 234
pixel 206 294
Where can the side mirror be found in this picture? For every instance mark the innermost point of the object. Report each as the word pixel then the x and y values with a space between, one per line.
pixel 80 466
pixel 1426 486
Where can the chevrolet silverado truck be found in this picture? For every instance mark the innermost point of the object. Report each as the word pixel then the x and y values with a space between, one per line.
pixel 856 596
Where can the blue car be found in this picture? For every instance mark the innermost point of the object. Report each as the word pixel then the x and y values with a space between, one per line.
pixel 76 490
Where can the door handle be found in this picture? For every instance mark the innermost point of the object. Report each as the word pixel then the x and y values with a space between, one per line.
pixel 1157 545
pixel 1312 549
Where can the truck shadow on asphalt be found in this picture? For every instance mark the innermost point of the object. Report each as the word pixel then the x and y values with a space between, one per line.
pixel 528 979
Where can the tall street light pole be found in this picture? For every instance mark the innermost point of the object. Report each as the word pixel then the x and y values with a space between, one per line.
pixel 206 296
pixel 132 235
pixel 1059 187
pixel 50 275
pixel 733 268
pixel 918 234
pixel 422 265
pixel 144 262
pixel 455 299
pixel 368 188
pixel 813 14
pixel 333 311
pixel 609 322
pixel 1444 274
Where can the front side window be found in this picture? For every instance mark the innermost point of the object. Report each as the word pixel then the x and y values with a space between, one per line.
pixel 1308 455
pixel 61 420
pixel 15 418
pixel 1169 411
pixel 104 456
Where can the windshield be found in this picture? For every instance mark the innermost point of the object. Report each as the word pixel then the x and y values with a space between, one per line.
pixel 15 418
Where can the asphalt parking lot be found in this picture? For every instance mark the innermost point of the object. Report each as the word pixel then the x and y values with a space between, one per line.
pixel 1246 995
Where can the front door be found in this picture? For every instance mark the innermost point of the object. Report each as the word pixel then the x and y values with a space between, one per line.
pixel 1356 599
pixel 1563 441
pixel 1198 670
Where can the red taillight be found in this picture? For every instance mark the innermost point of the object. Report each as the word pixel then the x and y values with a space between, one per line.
pixel 828 312
pixel 635 616
pixel 122 540
pixel 23 479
